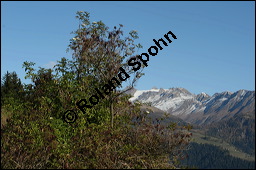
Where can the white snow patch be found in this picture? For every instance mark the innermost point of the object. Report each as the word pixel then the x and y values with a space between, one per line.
pixel 156 90
pixel 202 109
pixel 243 93
pixel 203 93
pixel 137 94
pixel 223 99
pixel 174 103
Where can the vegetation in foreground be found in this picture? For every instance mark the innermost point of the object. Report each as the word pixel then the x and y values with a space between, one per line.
pixel 112 134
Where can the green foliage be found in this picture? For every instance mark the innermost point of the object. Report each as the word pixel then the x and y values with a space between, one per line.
pixel 35 135
pixel 98 52
pixel 40 141
pixel 11 89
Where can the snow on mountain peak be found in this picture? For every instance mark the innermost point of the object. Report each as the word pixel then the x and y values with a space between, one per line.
pixel 182 103
pixel 242 92
pixel 203 93
pixel 164 99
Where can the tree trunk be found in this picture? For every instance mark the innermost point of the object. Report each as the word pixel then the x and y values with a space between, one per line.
pixel 112 114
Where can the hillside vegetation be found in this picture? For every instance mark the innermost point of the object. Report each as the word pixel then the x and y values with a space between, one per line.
pixel 207 156
pixel 114 133
pixel 238 130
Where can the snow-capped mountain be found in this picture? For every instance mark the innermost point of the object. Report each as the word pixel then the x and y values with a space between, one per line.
pixel 201 108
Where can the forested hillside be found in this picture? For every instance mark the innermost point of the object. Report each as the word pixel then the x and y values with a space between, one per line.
pixel 206 156
pixel 238 130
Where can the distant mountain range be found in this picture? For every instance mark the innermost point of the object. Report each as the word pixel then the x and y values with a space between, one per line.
pixel 228 116
pixel 200 109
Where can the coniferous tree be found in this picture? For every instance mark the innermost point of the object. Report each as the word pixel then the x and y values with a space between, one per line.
pixel 11 87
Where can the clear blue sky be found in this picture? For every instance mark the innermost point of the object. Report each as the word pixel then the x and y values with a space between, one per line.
pixel 214 50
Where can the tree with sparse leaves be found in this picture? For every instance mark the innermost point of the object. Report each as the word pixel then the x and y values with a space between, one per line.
pixel 99 53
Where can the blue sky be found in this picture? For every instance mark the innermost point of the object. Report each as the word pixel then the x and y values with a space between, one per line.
pixel 214 50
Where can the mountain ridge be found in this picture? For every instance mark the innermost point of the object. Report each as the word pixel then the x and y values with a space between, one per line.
pixel 198 108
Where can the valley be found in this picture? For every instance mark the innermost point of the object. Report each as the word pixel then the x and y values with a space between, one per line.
pixel 225 120
pixel 199 137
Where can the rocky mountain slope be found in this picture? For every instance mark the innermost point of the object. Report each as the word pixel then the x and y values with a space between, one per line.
pixel 200 109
